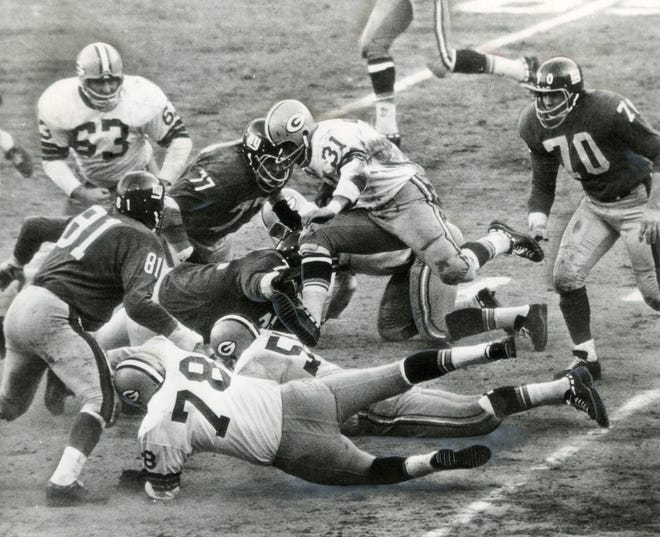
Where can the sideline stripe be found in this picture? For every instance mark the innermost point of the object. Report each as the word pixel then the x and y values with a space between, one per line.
pixel 492 501
pixel 419 76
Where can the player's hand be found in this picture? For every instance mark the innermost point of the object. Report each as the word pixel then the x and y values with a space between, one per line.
pixel 91 196
pixel 21 160
pixel 649 228
pixel 538 226
pixel 318 216
pixel 9 271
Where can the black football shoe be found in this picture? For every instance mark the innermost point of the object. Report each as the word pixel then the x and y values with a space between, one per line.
pixel 296 319
pixel 69 495
pixel 584 396
pixel 522 245
pixel 460 459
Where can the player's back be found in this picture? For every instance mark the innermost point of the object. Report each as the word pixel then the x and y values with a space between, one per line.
pixel 203 406
pixel 217 193
pixel 198 295
pixel 89 262
pixel 281 357
pixel 336 142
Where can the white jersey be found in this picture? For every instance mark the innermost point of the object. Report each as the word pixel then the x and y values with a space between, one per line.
pixel 281 357
pixel 106 145
pixel 202 406
pixel 364 165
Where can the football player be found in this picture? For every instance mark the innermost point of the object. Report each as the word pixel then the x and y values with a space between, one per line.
pixel 602 141
pixel 388 20
pixel 18 156
pixel 415 301
pixel 381 201
pixel 220 191
pixel 293 423
pixel 107 121
pixel 100 260
pixel 418 412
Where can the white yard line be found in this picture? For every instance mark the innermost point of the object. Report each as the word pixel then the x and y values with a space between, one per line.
pixel 419 76
pixel 493 500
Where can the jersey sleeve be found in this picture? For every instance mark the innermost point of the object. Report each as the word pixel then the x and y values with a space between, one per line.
pixel 142 260
pixel 634 129
pixel 162 462
pixel 166 124
pixel 54 140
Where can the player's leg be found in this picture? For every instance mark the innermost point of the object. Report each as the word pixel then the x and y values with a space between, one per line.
pixel 388 20
pixel 575 389
pixel 414 216
pixel 356 389
pixel 349 232
pixel 586 239
pixel 77 360
pixel 530 318
pixel 644 258
pixel 395 315
pixel 23 369
pixel 471 61
pixel 425 413
pixel 313 449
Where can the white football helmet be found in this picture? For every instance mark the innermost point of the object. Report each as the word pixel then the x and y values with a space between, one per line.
pixel 138 378
pixel 101 73
pixel 289 125
pixel 230 336
pixel 277 230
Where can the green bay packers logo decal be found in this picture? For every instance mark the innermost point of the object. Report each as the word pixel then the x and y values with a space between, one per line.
pixel 295 123
pixel 131 395
pixel 226 348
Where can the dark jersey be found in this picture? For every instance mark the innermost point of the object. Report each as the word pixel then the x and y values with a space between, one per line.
pixel 99 261
pixel 217 194
pixel 604 143
pixel 198 295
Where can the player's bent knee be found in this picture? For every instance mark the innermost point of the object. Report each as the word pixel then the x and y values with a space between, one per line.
pixel 314 248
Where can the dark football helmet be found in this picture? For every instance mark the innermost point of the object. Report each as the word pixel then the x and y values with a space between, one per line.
pixel 560 76
pixel 289 125
pixel 141 196
pixel 101 73
pixel 262 157
pixel 138 378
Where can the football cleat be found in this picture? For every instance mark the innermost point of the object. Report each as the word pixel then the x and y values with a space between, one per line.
pixel 580 360
pixel 469 457
pixel 69 495
pixel 531 65
pixel 536 326
pixel 296 319
pixel 522 245
pixel 583 396
pixel 486 299
pixel 502 348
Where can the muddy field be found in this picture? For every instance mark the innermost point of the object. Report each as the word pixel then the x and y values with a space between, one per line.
pixel 222 63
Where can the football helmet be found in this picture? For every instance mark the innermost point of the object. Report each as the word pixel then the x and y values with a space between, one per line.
pixel 138 378
pixel 277 230
pixel 101 73
pixel 561 76
pixel 230 336
pixel 141 196
pixel 261 156
pixel 289 125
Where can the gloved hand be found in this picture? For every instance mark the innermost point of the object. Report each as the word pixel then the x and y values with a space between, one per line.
pixel 21 160
pixel 10 270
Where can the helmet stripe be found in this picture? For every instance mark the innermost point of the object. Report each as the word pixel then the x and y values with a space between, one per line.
pixel 242 320
pixel 143 366
pixel 104 59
